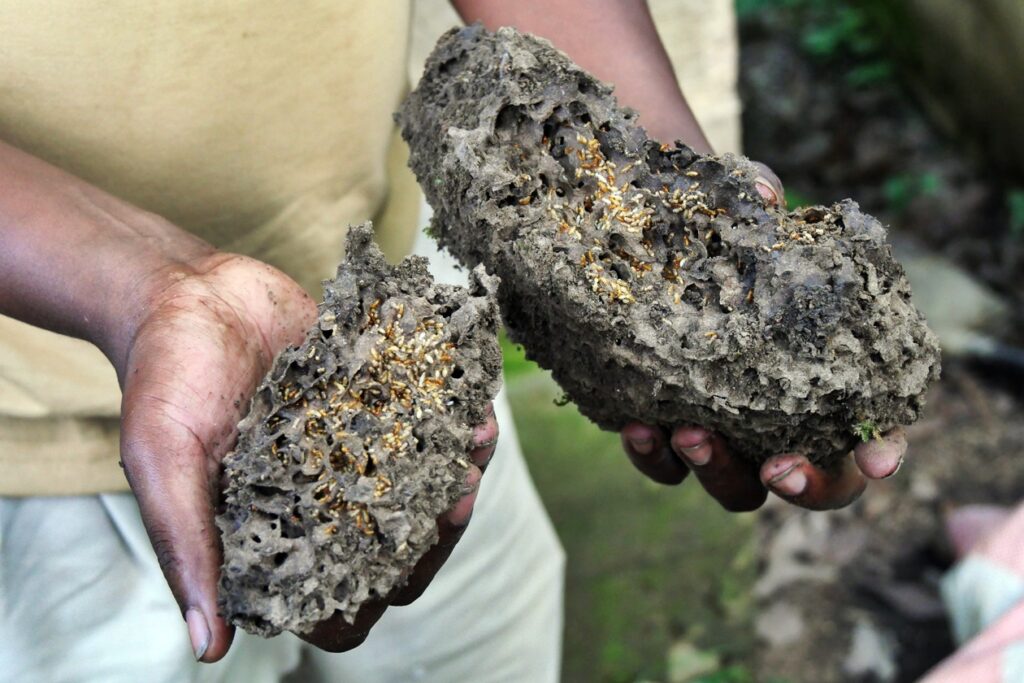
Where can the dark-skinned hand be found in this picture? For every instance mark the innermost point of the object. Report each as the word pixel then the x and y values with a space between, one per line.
pixel 210 333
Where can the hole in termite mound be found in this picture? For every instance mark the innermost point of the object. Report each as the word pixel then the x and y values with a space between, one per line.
pixel 621 271
pixel 291 529
pixel 268 491
pixel 508 117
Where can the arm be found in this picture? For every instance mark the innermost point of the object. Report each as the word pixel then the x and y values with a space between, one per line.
pixel 190 331
pixel 77 261
pixel 616 40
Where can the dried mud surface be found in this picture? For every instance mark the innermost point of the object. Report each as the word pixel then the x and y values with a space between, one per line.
pixel 355 443
pixel 654 282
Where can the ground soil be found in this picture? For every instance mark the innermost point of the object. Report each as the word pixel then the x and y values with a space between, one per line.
pixel 828 131
pixel 852 595
pixel 867 577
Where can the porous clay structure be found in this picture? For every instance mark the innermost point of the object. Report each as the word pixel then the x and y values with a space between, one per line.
pixel 654 282
pixel 355 442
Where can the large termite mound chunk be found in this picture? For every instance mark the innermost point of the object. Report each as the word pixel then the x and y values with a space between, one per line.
pixel 356 442
pixel 654 282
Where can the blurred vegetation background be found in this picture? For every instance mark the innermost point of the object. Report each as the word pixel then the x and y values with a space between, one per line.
pixel 654 573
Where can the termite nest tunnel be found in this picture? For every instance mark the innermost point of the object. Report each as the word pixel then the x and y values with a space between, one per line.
pixel 655 283
pixel 355 442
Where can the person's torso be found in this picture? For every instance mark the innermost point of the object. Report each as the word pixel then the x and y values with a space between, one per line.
pixel 261 126
pixel 217 116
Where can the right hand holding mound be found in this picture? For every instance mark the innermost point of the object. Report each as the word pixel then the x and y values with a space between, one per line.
pixel 739 485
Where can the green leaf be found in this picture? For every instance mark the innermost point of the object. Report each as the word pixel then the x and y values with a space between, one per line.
pixel 732 674
pixel 515 361
pixel 867 430
pixel 869 73
pixel 1015 205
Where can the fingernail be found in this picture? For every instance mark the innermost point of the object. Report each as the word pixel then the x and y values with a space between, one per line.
pixel 198 632
pixel 766 190
pixel 697 455
pixel 485 444
pixel 791 482
pixel 895 469
pixel 460 522
pixel 642 446
pixel 460 515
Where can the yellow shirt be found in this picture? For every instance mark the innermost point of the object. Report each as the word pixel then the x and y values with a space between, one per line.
pixel 262 126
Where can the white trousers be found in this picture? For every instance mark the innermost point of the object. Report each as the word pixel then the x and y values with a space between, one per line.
pixel 83 599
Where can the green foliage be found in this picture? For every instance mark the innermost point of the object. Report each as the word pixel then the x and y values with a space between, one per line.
pixel 796 199
pixel 746 8
pixel 869 73
pixel 1015 206
pixel 900 190
pixel 735 674
pixel 867 430
pixel 842 28
pixel 515 362
pixel 832 30
pixel 731 674
pixel 648 564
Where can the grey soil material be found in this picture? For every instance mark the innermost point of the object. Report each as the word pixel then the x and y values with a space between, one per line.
pixel 655 283
pixel 853 595
pixel 356 442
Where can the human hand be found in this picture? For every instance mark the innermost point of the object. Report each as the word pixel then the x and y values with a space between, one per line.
pixel 206 336
pixel 739 485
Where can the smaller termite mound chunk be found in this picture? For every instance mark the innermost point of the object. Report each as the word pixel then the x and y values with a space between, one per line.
pixel 355 443
pixel 655 282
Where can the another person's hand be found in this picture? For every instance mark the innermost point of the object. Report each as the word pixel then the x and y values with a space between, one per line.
pixel 208 335
pixel 739 485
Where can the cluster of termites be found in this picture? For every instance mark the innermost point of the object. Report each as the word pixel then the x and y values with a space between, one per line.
pixel 621 207
pixel 404 379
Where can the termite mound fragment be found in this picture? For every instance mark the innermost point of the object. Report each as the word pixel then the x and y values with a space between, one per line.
pixel 355 442
pixel 655 282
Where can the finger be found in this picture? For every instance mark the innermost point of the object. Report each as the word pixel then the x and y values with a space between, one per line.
pixel 650 453
pixel 793 478
pixel 485 440
pixel 450 528
pixel 969 525
pixel 769 186
pixel 167 471
pixel 732 482
pixel 337 635
pixel 882 458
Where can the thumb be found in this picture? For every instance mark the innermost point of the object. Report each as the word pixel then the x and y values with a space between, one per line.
pixel 167 468
pixel 769 186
